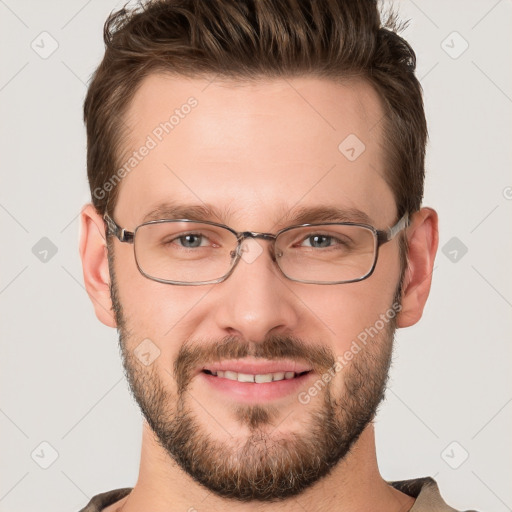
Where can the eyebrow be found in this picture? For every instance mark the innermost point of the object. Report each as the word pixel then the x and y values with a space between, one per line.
pixel 299 215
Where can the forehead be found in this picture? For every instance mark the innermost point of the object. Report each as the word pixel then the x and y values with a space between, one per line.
pixel 253 149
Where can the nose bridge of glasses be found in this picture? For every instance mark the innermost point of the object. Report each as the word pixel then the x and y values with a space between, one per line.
pixel 255 234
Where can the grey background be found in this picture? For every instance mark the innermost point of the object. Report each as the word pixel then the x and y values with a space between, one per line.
pixel 61 376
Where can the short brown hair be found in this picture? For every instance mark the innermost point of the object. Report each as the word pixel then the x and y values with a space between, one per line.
pixel 250 39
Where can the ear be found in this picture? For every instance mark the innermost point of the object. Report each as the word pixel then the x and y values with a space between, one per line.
pixel 423 238
pixel 93 252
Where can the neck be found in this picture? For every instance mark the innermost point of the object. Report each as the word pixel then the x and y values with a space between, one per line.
pixel 354 484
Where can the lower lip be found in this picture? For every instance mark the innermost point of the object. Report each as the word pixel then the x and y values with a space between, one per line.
pixel 252 392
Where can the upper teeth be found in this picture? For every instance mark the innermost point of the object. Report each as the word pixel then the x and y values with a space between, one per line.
pixel 258 378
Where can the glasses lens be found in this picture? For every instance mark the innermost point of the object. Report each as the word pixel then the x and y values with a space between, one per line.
pixel 184 252
pixel 326 253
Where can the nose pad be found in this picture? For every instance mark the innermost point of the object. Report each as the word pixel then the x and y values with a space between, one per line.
pixel 250 249
pixel 275 254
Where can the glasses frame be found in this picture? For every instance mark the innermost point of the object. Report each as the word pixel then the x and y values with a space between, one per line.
pixel 381 237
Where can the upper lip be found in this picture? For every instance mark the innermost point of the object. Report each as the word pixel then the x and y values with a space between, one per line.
pixel 256 367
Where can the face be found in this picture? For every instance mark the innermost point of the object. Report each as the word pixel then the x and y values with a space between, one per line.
pixel 256 153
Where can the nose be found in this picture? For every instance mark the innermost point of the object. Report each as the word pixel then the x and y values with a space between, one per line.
pixel 256 299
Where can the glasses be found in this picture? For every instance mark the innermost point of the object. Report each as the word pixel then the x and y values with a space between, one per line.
pixel 187 252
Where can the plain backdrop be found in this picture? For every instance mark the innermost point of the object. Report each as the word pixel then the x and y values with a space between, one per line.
pixel 68 426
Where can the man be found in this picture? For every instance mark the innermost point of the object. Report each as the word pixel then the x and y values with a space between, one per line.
pixel 256 236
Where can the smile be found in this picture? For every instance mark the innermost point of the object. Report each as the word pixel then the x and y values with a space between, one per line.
pixel 259 378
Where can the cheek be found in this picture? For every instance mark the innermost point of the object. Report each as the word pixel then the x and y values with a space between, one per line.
pixel 345 311
pixel 159 318
pixel 150 309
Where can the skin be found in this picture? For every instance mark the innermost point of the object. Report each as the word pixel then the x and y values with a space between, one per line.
pixel 256 151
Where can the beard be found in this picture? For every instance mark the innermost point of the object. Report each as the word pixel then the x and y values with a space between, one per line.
pixel 265 465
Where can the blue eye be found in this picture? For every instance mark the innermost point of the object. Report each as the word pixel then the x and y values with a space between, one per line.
pixel 320 241
pixel 190 240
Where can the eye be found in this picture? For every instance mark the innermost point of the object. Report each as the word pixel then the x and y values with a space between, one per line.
pixel 320 241
pixel 191 240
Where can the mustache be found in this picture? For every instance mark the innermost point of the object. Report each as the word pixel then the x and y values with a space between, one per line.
pixel 273 347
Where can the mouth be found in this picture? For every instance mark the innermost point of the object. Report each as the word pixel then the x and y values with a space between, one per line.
pixel 251 380
pixel 258 378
